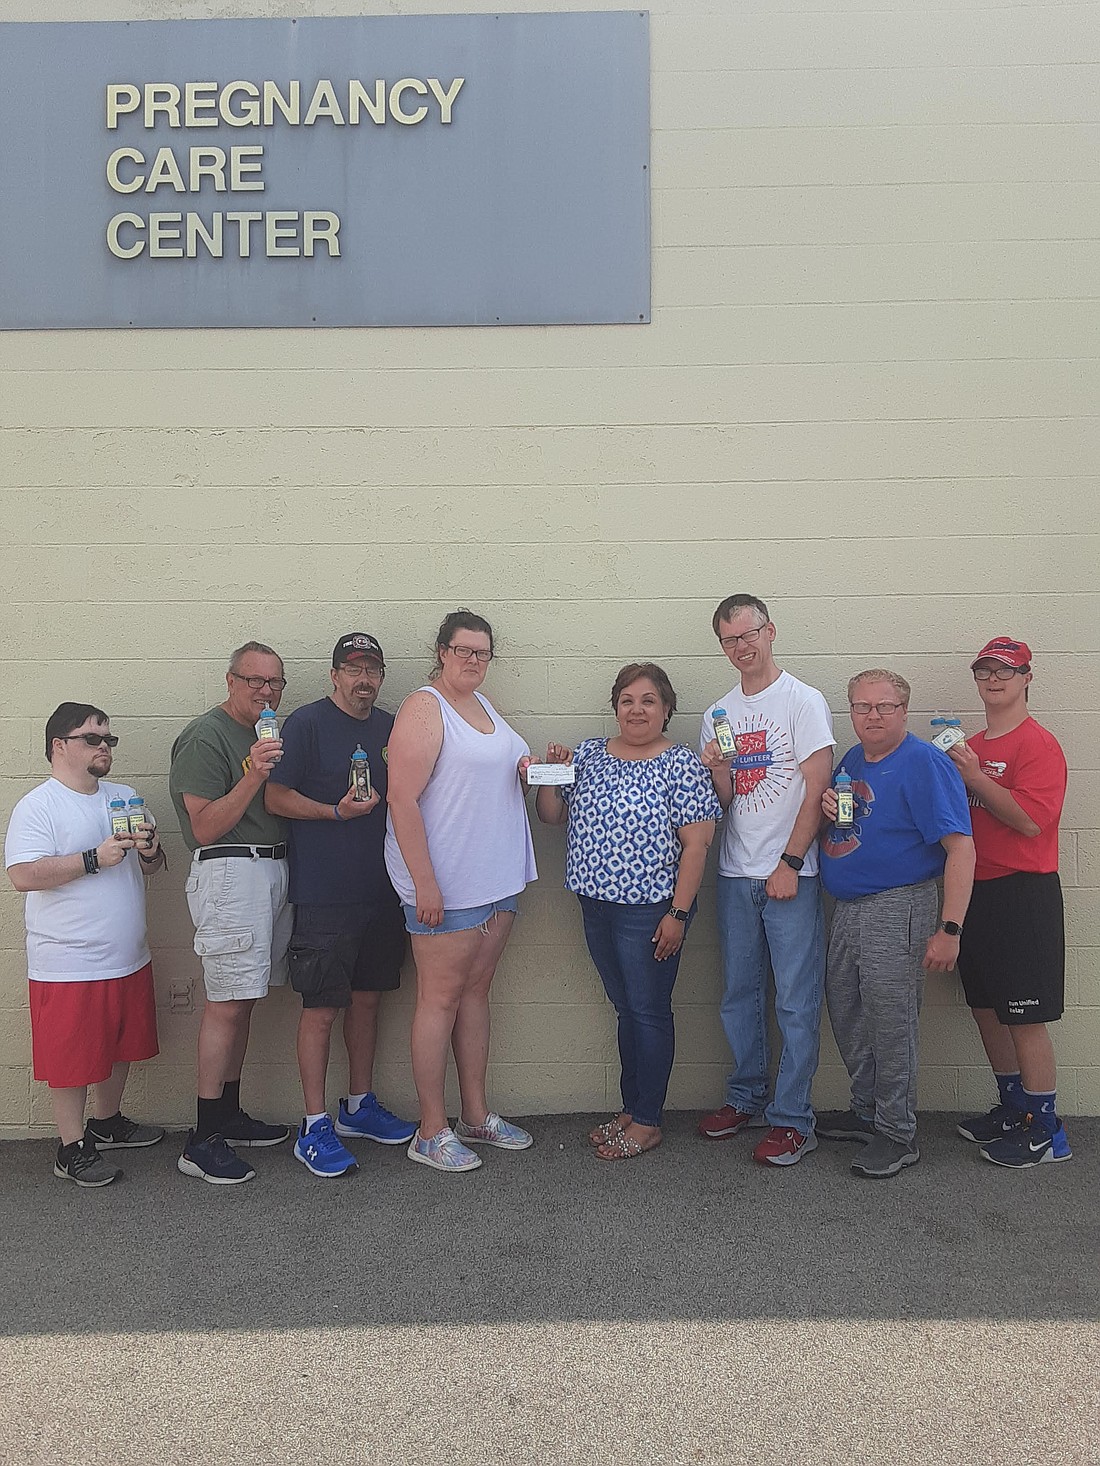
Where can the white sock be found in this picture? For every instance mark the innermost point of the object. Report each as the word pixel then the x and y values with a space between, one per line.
pixel 354 1101
pixel 311 1120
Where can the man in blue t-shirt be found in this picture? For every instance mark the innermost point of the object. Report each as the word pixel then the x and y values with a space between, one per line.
pixel 911 825
pixel 349 933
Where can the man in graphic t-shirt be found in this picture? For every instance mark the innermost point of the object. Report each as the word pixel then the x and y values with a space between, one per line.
pixel 91 983
pixel 769 898
pixel 349 933
pixel 1012 959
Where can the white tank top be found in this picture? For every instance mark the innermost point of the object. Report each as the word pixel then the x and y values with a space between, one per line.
pixel 479 838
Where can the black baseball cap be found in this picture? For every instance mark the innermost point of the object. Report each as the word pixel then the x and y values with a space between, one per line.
pixel 355 647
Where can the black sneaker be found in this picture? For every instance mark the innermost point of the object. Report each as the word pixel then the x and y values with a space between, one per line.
pixel 119 1132
pixel 999 1122
pixel 82 1163
pixel 212 1160
pixel 882 1157
pixel 243 1130
pixel 843 1125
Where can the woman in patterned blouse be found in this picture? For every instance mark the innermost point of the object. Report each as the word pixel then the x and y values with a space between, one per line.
pixel 641 816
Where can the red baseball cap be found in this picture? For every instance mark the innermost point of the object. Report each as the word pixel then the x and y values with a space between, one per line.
pixel 1004 649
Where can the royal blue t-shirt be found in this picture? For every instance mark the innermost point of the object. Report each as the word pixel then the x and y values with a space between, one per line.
pixel 333 863
pixel 904 805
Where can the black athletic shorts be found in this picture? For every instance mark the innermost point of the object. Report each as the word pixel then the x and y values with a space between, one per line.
pixel 1012 957
pixel 338 950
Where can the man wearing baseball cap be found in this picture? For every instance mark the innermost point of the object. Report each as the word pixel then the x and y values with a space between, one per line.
pixel 1012 952
pixel 349 933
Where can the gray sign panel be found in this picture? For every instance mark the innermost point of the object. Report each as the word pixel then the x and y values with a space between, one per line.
pixel 397 170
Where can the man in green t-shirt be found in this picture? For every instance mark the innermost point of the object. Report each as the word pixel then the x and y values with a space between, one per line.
pixel 237 895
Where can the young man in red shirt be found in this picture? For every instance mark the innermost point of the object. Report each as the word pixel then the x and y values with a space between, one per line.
pixel 1012 954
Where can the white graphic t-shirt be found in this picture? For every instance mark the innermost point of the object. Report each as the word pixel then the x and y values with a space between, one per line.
pixel 776 731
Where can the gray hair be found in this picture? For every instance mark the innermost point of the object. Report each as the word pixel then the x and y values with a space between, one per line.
pixel 252 646
pixel 880 674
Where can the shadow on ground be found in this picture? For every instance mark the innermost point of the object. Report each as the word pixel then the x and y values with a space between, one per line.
pixel 692 1231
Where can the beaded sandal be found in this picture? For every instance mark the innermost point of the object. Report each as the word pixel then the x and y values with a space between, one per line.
pixel 623 1147
pixel 605 1133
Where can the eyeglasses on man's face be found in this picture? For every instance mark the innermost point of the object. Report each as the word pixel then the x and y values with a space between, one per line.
pixel 729 643
pixel 371 670
pixel 467 653
pixel 275 683
pixel 884 709
pixel 93 740
pixel 1002 674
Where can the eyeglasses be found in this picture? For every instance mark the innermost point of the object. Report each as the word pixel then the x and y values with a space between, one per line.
pixel 729 643
pixel 884 709
pixel 93 740
pixel 275 683
pixel 467 653
pixel 1002 674
pixel 363 669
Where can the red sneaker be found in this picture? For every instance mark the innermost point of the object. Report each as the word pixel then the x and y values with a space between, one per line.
pixel 720 1124
pixel 784 1147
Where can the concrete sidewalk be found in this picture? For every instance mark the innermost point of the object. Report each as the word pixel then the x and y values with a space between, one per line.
pixel 685 1307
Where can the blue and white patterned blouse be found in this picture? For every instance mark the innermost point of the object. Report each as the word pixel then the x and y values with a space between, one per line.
pixel 621 842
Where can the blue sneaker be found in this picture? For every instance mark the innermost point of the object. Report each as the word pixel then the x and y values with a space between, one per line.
pixel 1000 1121
pixel 214 1161
pixel 372 1121
pixel 320 1152
pixel 494 1131
pixel 1030 1145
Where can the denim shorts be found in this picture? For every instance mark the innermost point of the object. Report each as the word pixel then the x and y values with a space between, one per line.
pixel 463 919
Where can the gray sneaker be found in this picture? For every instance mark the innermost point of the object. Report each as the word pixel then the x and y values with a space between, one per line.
pixel 885 1157
pixel 82 1163
pixel 843 1125
pixel 119 1132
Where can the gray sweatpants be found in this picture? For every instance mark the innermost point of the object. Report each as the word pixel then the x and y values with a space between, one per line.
pixel 874 984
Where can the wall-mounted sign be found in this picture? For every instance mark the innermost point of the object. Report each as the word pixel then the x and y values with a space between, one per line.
pixel 396 170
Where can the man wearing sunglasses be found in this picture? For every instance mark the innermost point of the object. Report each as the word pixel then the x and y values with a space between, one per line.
pixel 1012 961
pixel 237 895
pixel 349 932
pixel 91 984
pixel 911 828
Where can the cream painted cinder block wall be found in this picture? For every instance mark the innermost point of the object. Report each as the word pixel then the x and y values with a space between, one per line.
pixel 868 394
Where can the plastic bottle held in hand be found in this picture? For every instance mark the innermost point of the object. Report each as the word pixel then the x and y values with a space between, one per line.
pixel 947 731
pixel 268 724
pixel 359 778
pixel 138 815
pixel 727 743
pixel 120 820
pixel 845 804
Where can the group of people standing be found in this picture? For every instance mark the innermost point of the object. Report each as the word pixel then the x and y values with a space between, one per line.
pixel 302 869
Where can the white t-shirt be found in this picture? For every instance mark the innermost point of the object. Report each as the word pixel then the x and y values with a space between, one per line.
pixel 92 928
pixel 776 731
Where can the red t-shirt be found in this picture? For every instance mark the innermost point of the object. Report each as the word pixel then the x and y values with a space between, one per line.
pixel 1028 761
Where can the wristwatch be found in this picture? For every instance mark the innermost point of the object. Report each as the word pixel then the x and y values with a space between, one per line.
pixel 675 912
pixel 794 861
pixel 952 928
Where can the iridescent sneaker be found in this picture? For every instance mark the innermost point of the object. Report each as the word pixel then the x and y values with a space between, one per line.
pixel 443 1152
pixel 494 1131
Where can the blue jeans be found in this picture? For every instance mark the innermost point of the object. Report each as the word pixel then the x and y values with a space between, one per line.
pixel 620 942
pixel 753 929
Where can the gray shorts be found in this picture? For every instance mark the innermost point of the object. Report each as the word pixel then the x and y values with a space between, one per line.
pixel 242 925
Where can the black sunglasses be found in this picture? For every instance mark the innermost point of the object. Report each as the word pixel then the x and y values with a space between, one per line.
pixel 93 740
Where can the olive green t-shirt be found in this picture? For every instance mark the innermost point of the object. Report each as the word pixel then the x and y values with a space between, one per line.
pixel 209 758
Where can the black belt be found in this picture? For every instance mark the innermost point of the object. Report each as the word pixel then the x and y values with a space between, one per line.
pixel 242 852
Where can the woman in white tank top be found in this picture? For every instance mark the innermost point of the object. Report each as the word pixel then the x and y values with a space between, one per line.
pixel 458 851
